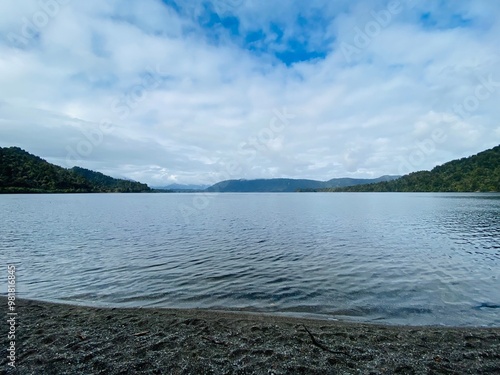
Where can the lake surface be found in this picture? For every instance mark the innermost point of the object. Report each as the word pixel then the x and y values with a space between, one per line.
pixel 386 258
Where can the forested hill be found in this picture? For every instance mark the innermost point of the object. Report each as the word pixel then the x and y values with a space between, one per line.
pixel 22 172
pixel 479 172
pixel 284 185
pixel 109 183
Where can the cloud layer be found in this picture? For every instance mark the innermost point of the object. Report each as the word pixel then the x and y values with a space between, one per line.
pixel 165 92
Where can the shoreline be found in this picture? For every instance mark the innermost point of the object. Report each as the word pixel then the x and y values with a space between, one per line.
pixel 320 317
pixel 66 339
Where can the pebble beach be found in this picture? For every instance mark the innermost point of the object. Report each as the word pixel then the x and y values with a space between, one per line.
pixel 67 339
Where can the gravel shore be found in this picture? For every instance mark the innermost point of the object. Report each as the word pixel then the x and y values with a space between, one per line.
pixel 66 339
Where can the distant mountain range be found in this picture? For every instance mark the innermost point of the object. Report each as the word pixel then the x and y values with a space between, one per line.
pixel 477 173
pixel 285 185
pixel 22 172
pixel 181 187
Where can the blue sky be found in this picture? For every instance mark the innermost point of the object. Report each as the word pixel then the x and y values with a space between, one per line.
pixel 198 91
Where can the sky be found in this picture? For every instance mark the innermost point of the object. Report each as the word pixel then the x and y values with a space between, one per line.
pixel 194 92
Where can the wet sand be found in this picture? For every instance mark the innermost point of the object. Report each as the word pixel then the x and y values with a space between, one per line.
pixel 67 339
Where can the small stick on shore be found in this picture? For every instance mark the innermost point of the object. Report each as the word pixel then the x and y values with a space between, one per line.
pixel 321 346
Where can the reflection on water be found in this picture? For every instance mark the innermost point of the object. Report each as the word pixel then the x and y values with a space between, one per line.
pixel 392 258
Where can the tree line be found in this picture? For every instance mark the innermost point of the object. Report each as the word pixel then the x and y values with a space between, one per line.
pixel 22 172
pixel 477 173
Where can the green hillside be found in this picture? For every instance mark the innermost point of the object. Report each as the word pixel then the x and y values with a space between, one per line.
pixel 106 183
pixel 22 172
pixel 479 172
pixel 285 185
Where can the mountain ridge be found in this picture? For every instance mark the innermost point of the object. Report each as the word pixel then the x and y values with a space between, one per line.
pixel 181 187
pixel 285 185
pixel 22 172
pixel 476 173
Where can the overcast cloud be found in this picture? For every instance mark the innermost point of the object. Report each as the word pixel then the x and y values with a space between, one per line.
pixel 163 92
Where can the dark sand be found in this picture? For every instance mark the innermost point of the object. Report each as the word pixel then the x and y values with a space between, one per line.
pixel 64 339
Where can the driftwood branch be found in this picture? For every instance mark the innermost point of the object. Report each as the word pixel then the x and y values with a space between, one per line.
pixel 320 345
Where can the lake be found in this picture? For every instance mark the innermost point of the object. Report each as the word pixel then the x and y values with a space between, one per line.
pixel 394 258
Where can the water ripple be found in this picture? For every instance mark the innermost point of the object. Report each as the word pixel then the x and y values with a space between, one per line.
pixel 394 258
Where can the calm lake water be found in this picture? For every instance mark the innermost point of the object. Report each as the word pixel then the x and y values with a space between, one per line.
pixel 386 258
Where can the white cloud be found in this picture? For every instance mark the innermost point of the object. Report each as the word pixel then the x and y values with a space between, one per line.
pixel 183 103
